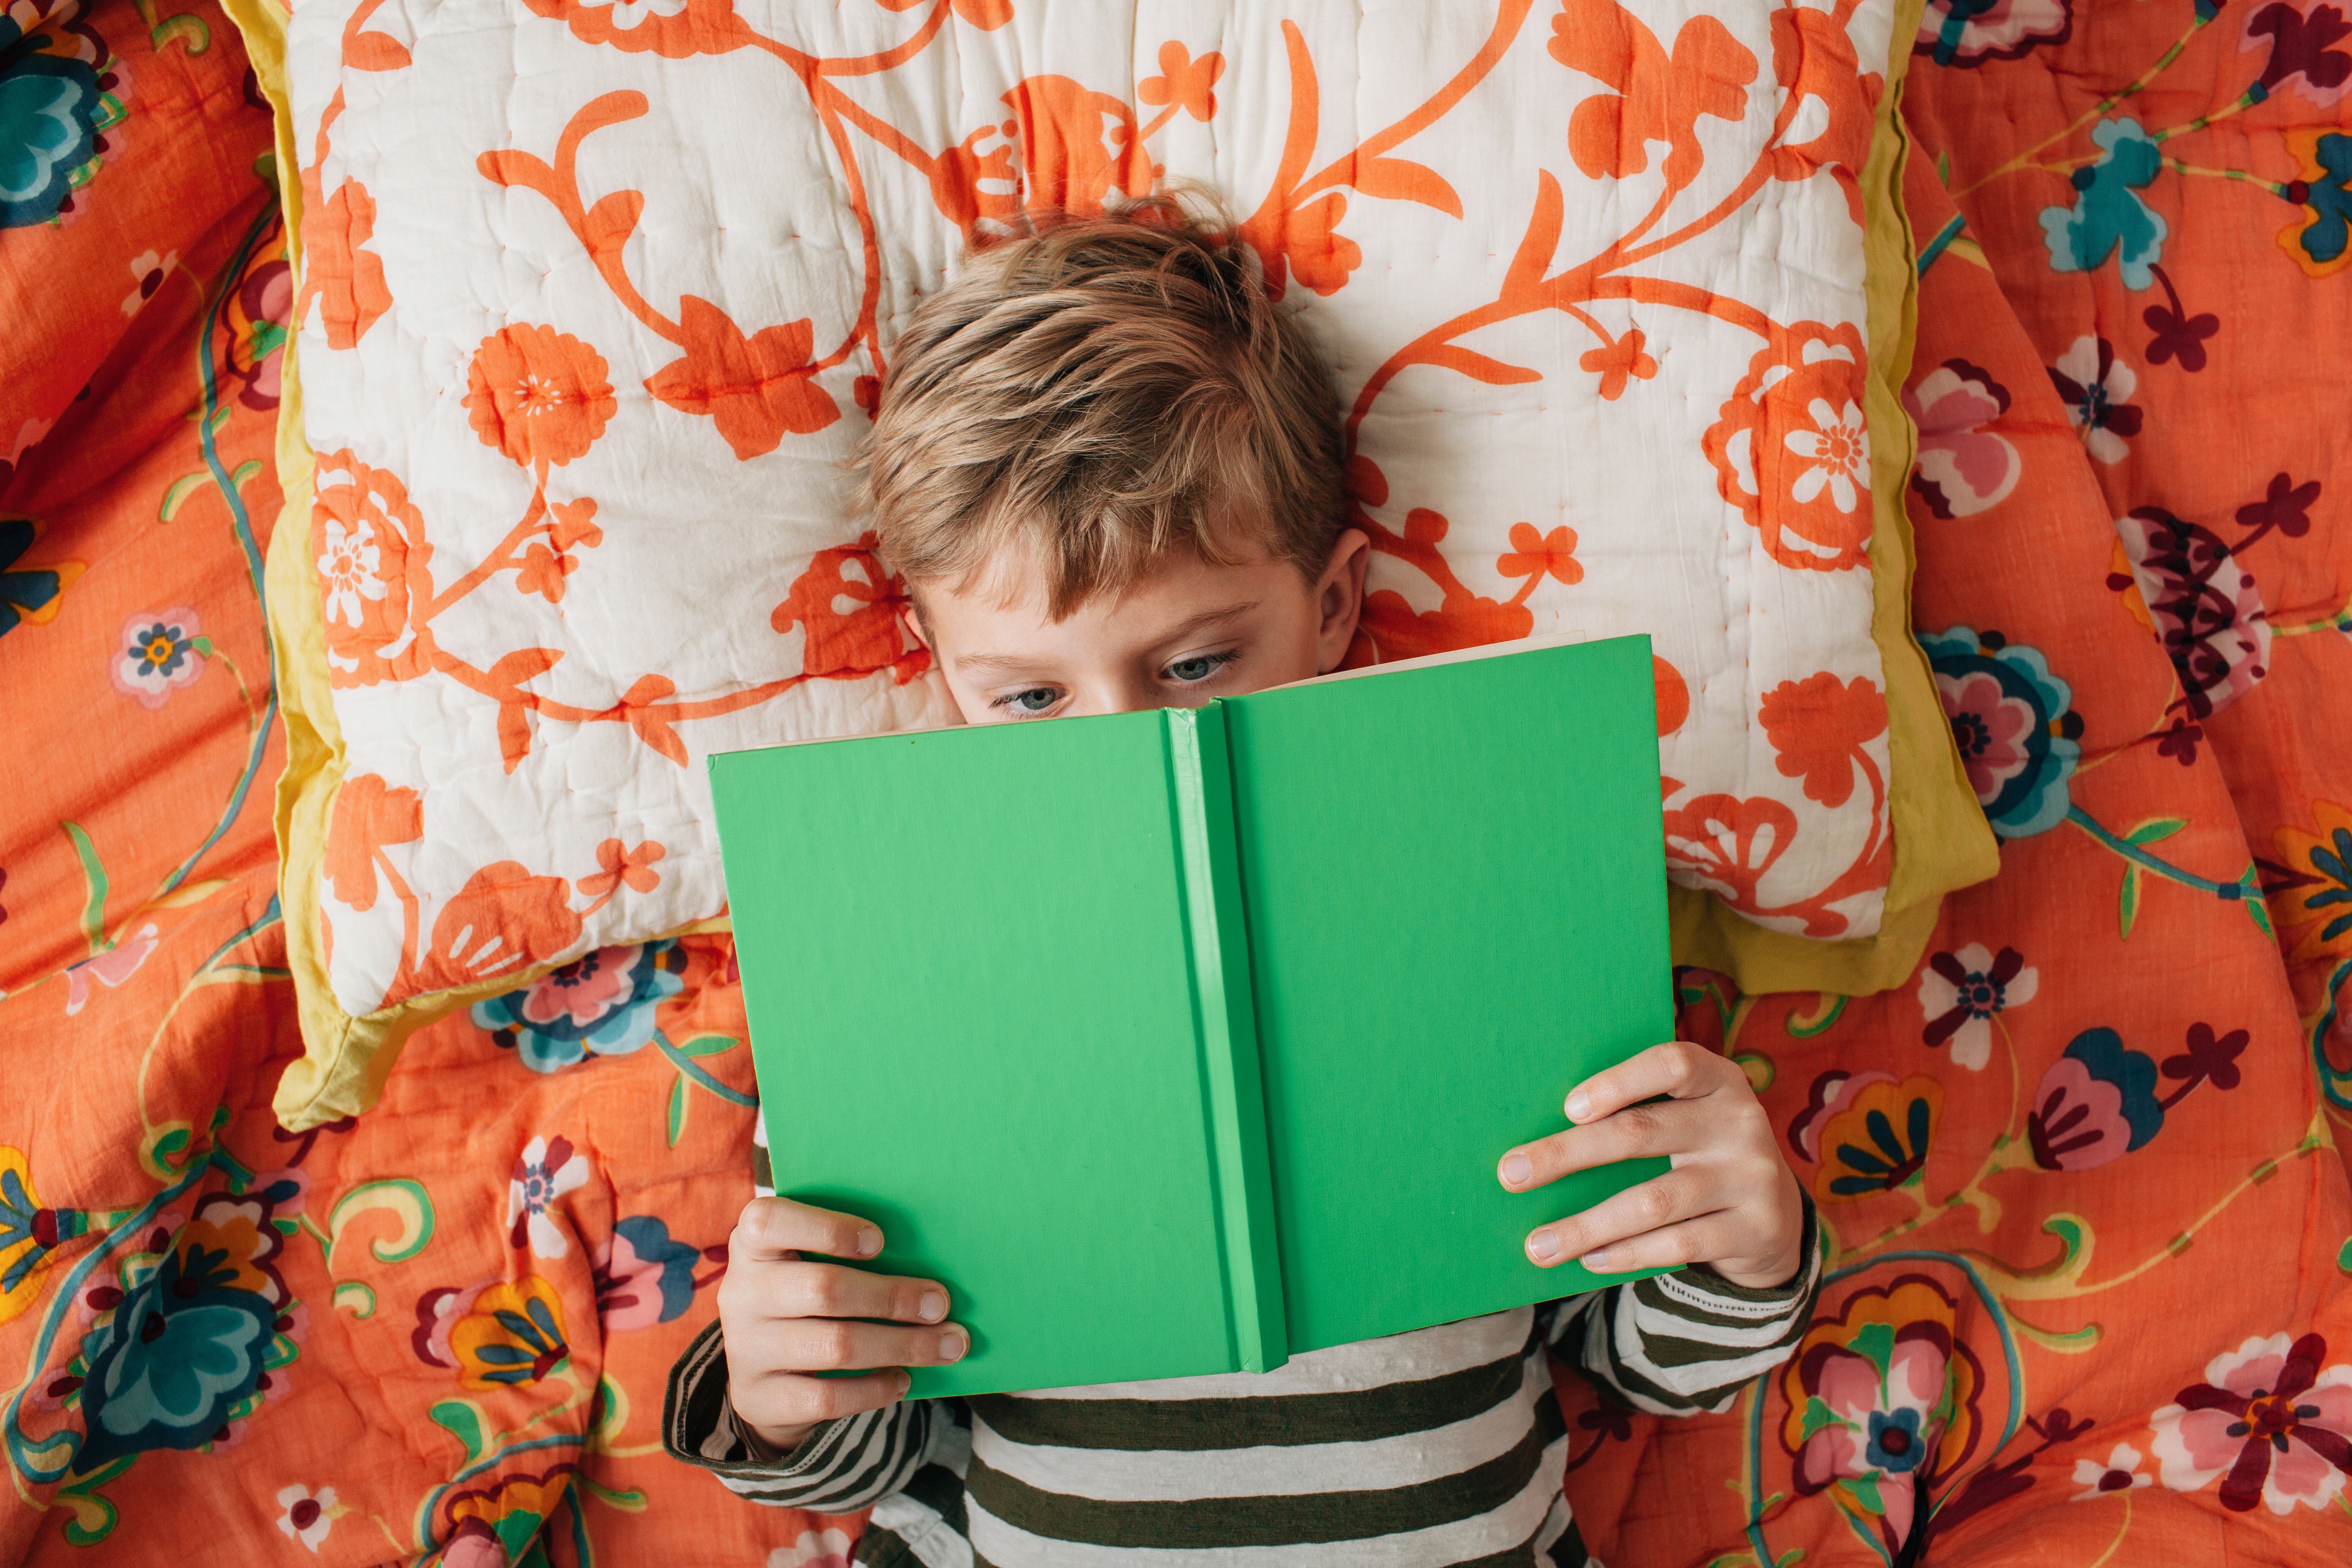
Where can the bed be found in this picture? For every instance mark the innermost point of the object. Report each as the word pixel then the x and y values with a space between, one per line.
pixel 2091 1230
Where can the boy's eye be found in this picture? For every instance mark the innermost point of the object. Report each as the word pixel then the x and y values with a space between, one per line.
pixel 1200 667
pixel 1036 700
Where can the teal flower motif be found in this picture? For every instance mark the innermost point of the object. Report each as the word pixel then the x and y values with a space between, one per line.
pixel 181 1348
pixel 49 113
pixel 605 1002
pixel 2014 723
pixel 26 593
pixel 2326 194
pixel 2108 216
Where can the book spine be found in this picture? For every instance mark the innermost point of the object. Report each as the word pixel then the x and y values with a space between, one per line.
pixel 1202 793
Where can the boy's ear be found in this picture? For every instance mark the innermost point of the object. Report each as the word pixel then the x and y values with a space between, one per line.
pixel 1339 598
pixel 912 619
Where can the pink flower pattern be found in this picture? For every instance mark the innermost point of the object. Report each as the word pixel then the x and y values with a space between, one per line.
pixel 1991 727
pixel 548 1169
pixel 1963 469
pixel 2268 1420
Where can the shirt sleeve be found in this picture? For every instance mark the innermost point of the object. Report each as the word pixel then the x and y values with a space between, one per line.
pixel 1674 1345
pixel 839 1468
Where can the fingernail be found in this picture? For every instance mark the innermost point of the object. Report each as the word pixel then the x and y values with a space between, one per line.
pixel 1543 1246
pixel 905 1382
pixel 1578 1107
pixel 869 1242
pixel 1597 1261
pixel 932 1307
pixel 1516 1170
pixel 951 1347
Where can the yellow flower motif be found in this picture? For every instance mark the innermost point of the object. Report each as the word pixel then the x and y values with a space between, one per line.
pixel 513 1337
pixel 2314 907
pixel 28 1234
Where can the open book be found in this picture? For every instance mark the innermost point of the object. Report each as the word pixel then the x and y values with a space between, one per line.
pixel 1184 1041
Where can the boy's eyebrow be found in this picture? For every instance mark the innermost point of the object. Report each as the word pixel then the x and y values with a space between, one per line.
pixel 1202 622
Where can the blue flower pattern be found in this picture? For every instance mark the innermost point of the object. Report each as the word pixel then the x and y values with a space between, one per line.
pixel 49 114
pixel 2037 798
pixel 2108 216
pixel 181 1349
pixel 657 972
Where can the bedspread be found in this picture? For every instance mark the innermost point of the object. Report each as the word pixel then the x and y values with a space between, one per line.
pixel 2091 1231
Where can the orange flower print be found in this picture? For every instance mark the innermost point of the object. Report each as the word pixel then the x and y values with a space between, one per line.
pixel 1077 144
pixel 346 279
pixel 1813 58
pixel 869 637
pixel 1729 843
pixel 1533 554
pixel 1817 725
pixel 1791 449
pixel 1316 254
pixel 368 814
pixel 1838 451
pixel 1184 81
pixel 1663 96
pixel 969 184
pixel 674 29
pixel 755 389
pixel 367 543
pixel 1614 361
pixel 538 395
pixel 502 919
pixel 543 572
pixel 624 867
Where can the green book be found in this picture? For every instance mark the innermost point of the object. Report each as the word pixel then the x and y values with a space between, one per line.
pixel 1185 1041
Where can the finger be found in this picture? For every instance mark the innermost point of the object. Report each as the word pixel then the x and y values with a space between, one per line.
pixel 1679 1195
pixel 782 1399
pixel 774 1229
pixel 1633 1133
pixel 1677 1068
pixel 833 1291
pixel 1670 1247
pixel 839 1344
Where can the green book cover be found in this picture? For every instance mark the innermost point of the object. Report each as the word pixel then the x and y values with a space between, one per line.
pixel 1179 1042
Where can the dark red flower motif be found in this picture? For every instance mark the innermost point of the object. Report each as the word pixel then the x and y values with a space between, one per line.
pixel 2208 1057
pixel 2180 742
pixel 2301 45
pixel 2179 334
pixel 2287 509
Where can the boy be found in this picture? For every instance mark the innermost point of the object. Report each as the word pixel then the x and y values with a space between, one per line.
pixel 1109 471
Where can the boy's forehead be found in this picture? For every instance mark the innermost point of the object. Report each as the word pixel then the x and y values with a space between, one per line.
pixel 1004 608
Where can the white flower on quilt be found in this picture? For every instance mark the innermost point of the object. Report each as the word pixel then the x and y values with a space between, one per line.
pixel 349 570
pixel 547 1169
pixel 148 270
pixel 1961 992
pixel 2121 1473
pixel 814 1549
pixel 2098 388
pixel 305 1516
pixel 627 13
pixel 1839 449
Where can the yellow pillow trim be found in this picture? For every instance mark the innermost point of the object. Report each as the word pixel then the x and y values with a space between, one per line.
pixel 345 1058
pixel 1942 841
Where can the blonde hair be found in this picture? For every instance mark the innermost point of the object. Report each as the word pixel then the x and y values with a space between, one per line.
pixel 1103 390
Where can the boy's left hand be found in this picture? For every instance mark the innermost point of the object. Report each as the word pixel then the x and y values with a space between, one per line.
pixel 1730 1201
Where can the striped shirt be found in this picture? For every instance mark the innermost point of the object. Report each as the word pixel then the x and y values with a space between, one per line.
pixel 1444 1445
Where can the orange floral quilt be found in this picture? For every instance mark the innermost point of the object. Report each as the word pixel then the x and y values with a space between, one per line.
pixel 2090 1229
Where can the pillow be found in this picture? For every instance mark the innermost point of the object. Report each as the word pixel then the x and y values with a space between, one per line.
pixel 578 372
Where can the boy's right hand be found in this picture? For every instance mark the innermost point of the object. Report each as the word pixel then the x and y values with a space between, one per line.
pixel 785 1317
